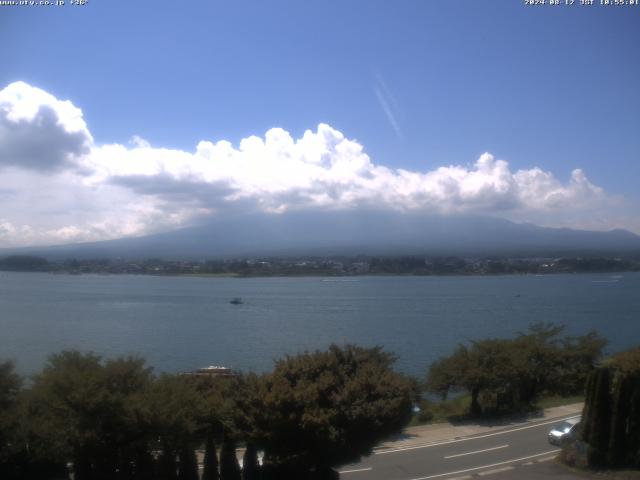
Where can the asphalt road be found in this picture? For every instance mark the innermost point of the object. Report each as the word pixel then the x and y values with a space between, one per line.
pixel 483 454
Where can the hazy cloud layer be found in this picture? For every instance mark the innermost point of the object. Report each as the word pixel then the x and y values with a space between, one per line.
pixel 58 185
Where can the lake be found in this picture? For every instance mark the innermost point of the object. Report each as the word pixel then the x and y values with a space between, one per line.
pixel 183 323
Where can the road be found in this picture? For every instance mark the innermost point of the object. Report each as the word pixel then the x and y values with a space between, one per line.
pixel 481 454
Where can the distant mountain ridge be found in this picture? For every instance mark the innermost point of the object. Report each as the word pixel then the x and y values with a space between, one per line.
pixel 335 233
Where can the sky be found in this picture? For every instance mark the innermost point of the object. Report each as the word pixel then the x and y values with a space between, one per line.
pixel 121 118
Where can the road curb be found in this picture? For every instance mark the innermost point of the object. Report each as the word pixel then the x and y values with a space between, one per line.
pixel 447 432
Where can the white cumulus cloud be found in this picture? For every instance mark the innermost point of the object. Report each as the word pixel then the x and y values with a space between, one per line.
pixel 58 185
pixel 39 132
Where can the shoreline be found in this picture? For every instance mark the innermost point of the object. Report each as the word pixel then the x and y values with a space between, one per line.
pixel 326 275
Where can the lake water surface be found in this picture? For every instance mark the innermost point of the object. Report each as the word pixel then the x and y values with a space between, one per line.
pixel 182 323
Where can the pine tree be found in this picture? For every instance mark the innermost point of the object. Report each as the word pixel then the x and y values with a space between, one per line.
pixel 632 457
pixel 144 466
pixel 611 417
pixel 250 466
pixel 619 416
pixel 229 468
pixel 82 469
pixel 167 465
pixel 210 460
pixel 598 439
pixel 588 405
pixel 188 469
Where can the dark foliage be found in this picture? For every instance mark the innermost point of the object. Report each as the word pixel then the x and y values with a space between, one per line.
pixel 210 471
pixel 326 408
pixel 24 263
pixel 229 467
pixel 611 417
pixel 250 466
pixel 507 375
pixel 188 467
pixel 600 419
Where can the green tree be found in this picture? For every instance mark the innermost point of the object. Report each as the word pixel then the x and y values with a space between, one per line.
pixel 600 418
pixel 534 355
pixel 578 357
pixel 326 408
pixel 10 445
pixel 80 409
pixel 171 409
pixel 229 467
pixel 210 471
pixel 250 465
pixel 445 374
pixel 223 418
pixel 66 405
pixel 510 374
pixel 486 366
pixel 188 467
pixel 621 402
pixel 611 416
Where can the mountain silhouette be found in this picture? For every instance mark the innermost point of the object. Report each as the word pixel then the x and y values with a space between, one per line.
pixel 348 233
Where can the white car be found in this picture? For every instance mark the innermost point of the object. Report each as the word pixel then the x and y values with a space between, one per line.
pixel 564 431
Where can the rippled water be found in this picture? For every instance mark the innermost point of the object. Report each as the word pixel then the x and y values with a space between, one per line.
pixel 182 323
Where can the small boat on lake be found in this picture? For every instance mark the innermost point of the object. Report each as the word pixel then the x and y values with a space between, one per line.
pixel 236 301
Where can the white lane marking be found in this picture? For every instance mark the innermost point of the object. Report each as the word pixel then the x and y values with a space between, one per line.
pixel 356 470
pixel 477 451
pixel 486 466
pixel 546 459
pixel 446 442
pixel 495 470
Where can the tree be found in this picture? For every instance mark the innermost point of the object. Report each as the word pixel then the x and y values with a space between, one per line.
pixel 10 447
pixel 326 408
pixel 445 373
pixel 611 416
pixel 229 467
pixel 170 408
pixel 188 468
pixel 490 369
pixel 510 374
pixel 578 357
pixel 66 403
pixel 534 355
pixel 80 409
pixel 167 466
pixel 621 402
pixel 210 471
pixel 123 437
pixel 484 366
pixel 250 466
pixel 225 416
pixel 599 419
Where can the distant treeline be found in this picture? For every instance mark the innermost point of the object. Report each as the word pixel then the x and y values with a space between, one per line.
pixel 25 263
pixel 328 266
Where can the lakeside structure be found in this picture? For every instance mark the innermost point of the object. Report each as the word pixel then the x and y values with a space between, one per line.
pixel 330 265
pixel 212 371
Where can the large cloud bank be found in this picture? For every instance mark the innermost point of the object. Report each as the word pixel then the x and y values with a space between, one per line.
pixel 57 184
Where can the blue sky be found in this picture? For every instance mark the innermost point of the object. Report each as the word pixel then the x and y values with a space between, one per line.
pixel 417 84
